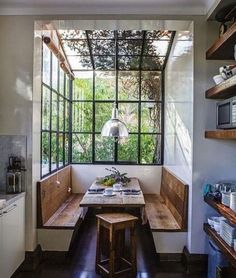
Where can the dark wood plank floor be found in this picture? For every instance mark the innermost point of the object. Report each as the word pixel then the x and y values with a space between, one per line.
pixel 81 263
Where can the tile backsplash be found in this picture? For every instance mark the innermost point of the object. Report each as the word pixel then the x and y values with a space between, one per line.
pixel 10 145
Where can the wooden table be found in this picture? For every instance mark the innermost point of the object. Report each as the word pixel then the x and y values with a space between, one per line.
pixel 120 200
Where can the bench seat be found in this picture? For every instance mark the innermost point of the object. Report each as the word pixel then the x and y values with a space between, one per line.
pixel 168 212
pixel 68 215
pixel 159 216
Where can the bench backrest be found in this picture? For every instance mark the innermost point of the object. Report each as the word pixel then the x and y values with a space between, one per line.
pixel 175 194
pixel 51 195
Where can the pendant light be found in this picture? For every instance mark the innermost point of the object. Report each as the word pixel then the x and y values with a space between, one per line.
pixel 114 127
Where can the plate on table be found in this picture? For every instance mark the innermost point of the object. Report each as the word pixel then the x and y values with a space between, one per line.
pixel 109 195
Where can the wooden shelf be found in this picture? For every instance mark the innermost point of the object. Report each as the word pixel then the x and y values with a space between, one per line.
pixel 224 247
pixel 223 90
pixel 223 48
pixel 222 209
pixel 229 134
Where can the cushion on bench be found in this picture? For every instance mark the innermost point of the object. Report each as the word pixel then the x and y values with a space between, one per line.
pixel 168 211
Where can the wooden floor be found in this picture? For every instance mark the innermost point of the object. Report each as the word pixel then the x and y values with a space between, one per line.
pixel 81 263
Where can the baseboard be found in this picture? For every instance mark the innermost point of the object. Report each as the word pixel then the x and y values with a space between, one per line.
pixel 173 261
pixel 194 263
pixel 32 259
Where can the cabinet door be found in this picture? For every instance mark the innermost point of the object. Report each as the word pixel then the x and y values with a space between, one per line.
pixel 13 237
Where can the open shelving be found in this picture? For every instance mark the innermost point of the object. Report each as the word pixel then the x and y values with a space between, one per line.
pixel 223 48
pixel 228 213
pixel 229 134
pixel 224 247
pixel 226 89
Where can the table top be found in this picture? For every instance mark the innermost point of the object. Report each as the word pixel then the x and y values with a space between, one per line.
pixel 119 200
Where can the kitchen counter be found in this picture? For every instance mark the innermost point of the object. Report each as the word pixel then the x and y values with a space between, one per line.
pixel 11 198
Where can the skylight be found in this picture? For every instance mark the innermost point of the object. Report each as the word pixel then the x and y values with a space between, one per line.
pixel 116 50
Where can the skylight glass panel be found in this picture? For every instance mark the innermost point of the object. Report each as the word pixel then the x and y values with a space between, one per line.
pixel 72 34
pixel 104 62
pixel 153 63
pixel 158 35
pixel 130 34
pixel 80 62
pixel 129 47
pixel 156 48
pixel 100 34
pixel 128 62
pixel 76 47
pixel 103 47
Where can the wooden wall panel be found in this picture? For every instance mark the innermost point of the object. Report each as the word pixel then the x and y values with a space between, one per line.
pixel 51 195
pixel 175 194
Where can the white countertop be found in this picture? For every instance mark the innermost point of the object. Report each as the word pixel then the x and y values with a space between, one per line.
pixel 11 198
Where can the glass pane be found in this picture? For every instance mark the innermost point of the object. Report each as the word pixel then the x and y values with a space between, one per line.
pixel 76 47
pixel 46 109
pixel 103 47
pixel 129 47
pixel 128 62
pixel 66 148
pixel 54 111
pixel 160 35
pixel 128 113
pixel 104 62
pixel 81 148
pixel 151 85
pixel 60 149
pixel 128 85
pixel 101 34
pixel 46 64
pixel 105 85
pixel 150 117
pixel 80 62
pixel 128 149
pixel 83 86
pixel 67 115
pixel 67 87
pixel 61 114
pixel 152 63
pixel 72 34
pixel 150 149
pixel 155 48
pixel 104 148
pixel 45 152
pixel 62 82
pixel 82 116
pixel 130 34
pixel 54 72
pixel 53 151
pixel 102 114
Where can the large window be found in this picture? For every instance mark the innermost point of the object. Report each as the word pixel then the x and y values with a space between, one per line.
pixel 55 120
pixel 139 98
pixel 110 66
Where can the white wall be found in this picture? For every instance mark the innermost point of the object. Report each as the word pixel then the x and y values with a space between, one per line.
pixel 16 79
pixel 179 106
pixel 149 176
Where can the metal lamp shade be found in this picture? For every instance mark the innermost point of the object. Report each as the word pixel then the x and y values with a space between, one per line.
pixel 114 128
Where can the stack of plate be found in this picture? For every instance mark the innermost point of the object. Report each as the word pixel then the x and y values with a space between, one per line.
pixel 226 198
pixel 227 232
pixel 233 201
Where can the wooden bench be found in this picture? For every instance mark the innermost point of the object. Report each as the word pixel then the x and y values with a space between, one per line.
pixel 58 207
pixel 168 212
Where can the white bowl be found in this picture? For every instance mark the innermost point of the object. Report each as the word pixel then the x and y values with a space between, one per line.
pixel 218 79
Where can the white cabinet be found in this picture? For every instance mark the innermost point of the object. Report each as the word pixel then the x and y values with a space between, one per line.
pixel 12 237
